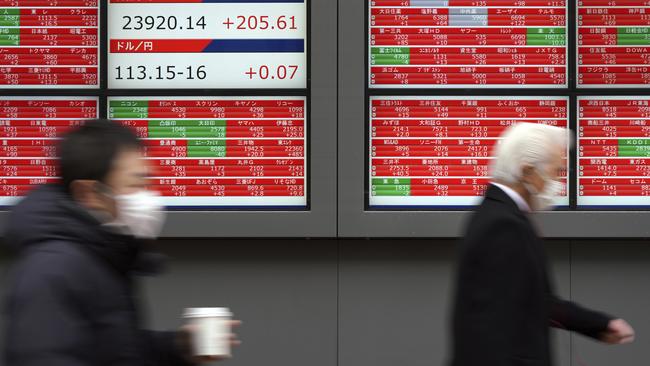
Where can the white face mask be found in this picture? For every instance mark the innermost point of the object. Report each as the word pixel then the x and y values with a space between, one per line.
pixel 141 213
pixel 545 200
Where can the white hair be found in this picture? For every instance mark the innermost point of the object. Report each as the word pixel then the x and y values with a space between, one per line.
pixel 526 144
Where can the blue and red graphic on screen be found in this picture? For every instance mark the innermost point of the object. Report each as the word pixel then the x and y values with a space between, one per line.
pixel 207 44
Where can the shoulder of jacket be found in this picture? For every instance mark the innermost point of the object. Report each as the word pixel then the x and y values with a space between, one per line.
pixel 495 215
pixel 491 227
pixel 60 257
pixel 60 266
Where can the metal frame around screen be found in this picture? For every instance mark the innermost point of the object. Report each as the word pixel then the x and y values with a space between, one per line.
pixel 319 220
pixel 355 220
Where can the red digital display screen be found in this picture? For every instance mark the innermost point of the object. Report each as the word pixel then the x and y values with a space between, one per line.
pixel 436 151
pixel 49 44
pixel 29 129
pixel 222 151
pixel 467 43
pixel 614 151
pixel 613 43
pixel 202 151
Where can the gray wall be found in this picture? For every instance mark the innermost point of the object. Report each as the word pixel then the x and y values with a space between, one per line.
pixel 377 302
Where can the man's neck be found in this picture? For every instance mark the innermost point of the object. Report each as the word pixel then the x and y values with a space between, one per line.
pixel 520 189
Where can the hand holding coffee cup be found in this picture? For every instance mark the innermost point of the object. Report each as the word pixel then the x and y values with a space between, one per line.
pixel 210 333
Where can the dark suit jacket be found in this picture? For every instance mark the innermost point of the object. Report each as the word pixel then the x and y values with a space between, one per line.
pixel 504 302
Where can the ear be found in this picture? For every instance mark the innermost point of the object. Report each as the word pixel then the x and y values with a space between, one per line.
pixel 527 172
pixel 84 192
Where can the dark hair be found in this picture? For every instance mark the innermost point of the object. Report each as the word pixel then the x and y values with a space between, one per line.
pixel 89 151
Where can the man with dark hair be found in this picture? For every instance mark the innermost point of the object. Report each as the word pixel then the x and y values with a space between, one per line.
pixel 71 301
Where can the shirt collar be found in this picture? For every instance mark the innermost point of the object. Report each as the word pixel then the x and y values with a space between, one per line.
pixel 519 200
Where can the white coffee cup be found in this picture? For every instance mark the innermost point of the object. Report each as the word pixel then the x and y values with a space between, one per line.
pixel 212 334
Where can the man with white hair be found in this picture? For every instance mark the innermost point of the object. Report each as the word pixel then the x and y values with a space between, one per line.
pixel 504 301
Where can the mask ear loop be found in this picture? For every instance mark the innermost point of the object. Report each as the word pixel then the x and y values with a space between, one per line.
pixel 542 174
pixel 104 189
pixel 532 190
pixel 550 180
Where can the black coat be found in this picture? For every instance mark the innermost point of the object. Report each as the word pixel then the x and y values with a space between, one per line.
pixel 504 302
pixel 71 300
